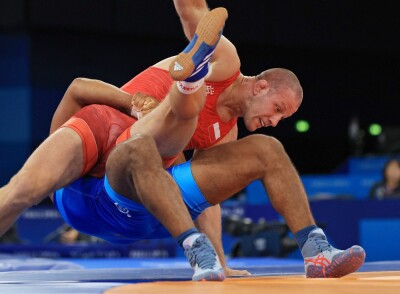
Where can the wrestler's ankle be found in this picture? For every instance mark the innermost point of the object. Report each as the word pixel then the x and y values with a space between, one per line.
pixel 190 240
pixel 188 236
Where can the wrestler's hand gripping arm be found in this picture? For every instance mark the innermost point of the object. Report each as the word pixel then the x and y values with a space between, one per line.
pixel 83 92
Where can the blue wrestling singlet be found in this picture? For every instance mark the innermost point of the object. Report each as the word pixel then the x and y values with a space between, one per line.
pixel 91 206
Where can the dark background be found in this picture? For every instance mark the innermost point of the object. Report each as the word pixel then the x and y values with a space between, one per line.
pixel 345 53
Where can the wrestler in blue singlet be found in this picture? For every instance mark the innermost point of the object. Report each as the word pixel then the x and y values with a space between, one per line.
pixel 91 206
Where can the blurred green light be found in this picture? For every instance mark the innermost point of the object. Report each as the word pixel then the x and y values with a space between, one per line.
pixel 302 126
pixel 375 129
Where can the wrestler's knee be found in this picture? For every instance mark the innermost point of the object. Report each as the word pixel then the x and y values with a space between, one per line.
pixel 138 151
pixel 266 147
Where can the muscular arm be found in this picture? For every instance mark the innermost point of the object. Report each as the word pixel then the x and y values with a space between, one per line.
pixel 82 92
pixel 180 159
pixel 209 223
pixel 230 137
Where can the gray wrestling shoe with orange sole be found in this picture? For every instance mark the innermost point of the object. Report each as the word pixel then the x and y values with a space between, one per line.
pixel 192 64
pixel 321 260
pixel 204 260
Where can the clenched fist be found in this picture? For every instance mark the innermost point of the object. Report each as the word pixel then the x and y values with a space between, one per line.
pixel 142 104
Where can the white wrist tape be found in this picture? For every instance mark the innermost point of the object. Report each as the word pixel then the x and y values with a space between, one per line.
pixel 188 87
pixel 135 113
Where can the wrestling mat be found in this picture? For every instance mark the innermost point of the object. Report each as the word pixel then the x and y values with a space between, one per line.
pixel 173 275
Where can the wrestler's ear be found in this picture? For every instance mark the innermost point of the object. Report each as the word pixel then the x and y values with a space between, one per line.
pixel 260 86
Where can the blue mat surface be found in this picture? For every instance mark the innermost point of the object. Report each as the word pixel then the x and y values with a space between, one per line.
pixel 116 272
pixel 8 264
pixel 179 262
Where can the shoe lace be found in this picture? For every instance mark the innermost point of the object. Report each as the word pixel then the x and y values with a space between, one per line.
pixel 202 253
pixel 322 244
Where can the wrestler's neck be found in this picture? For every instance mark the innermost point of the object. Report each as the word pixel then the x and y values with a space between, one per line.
pixel 231 102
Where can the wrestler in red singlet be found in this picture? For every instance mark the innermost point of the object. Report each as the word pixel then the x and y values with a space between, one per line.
pixel 100 126
pixel 210 128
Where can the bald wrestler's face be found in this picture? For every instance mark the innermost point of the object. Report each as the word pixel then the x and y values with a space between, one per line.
pixel 269 107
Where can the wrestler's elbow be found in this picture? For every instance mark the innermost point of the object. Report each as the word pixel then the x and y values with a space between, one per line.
pixel 75 87
pixel 77 90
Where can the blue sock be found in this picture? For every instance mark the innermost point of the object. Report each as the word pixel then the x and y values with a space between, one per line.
pixel 185 234
pixel 302 235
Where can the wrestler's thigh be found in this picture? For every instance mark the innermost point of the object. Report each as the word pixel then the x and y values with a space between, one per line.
pixel 223 170
pixel 57 161
pixel 118 170
pixel 133 161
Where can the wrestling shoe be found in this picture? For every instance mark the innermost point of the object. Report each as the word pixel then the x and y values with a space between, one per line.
pixel 204 260
pixel 321 260
pixel 192 64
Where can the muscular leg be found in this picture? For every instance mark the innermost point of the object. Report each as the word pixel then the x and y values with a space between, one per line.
pixel 134 170
pixel 55 163
pixel 262 157
pixel 167 130
pixel 173 122
pixel 172 126
pixel 254 157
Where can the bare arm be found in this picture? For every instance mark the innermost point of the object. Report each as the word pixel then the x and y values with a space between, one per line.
pixel 209 223
pixel 230 137
pixel 180 159
pixel 82 92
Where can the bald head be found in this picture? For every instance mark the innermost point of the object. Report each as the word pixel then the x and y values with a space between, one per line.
pixel 280 78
